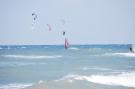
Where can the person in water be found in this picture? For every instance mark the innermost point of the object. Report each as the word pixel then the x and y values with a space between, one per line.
pixel 131 49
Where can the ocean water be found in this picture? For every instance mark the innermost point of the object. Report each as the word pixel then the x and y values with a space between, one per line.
pixel 79 67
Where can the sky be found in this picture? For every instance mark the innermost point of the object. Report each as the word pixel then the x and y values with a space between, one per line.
pixel 86 22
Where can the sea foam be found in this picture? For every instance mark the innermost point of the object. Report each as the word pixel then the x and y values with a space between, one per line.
pixel 95 68
pixel 15 86
pixel 74 48
pixel 118 54
pixel 122 79
pixel 33 56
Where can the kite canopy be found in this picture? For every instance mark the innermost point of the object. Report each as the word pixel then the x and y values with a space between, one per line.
pixel 34 16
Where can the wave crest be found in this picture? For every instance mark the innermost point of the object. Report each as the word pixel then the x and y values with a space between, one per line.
pixel 118 54
pixel 33 56
pixel 123 79
pixel 74 48
pixel 15 86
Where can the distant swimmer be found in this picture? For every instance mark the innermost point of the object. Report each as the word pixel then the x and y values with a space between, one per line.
pixel 64 33
pixel 131 49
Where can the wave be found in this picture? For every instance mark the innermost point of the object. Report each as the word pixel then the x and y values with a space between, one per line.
pixel 23 47
pixel 3 64
pixel 94 49
pixel 125 54
pixel 122 79
pixel 95 68
pixel 74 48
pixel 8 48
pixel 1 48
pixel 120 54
pixel 32 56
pixel 117 54
pixel 15 86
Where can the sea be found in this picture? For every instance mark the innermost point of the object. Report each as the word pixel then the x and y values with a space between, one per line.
pixel 78 67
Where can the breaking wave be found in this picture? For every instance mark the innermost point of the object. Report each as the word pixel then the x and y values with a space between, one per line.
pixel 95 49
pixel 122 79
pixel 23 47
pixel 1 48
pixel 96 68
pixel 15 86
pixel 117 54
pixel 11 64
pixel 33 56
pixel 120 54
pixel 74 48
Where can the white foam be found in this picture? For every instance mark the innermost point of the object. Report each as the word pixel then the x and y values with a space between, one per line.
pixel 33 56
pixel 15 86
pixel 96 68
pixel 41 81
pixel 8 48
pixel 120 54
pixel 123 79
pixel 1 48
pixel 2 64
pixel 73 48
pixel 126 54
pixel 23 47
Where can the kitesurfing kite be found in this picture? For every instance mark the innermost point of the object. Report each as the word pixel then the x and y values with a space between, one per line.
pixel 34 19
pixel 34 16
pixel 63 23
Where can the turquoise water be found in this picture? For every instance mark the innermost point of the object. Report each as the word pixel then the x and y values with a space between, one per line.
pixel 83 66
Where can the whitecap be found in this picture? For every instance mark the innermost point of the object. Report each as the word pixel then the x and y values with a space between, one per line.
pixel 8 48
pixel 23 47
pixel 41 81
pixel 15 86
pixel 120 54
pixel 33 56
pixel 1 48
pixel 125 54
pixel 122 79
pixel 74 48
pixel 2 64
pixel 96 68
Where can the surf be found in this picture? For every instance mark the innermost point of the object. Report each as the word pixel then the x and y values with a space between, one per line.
pixel 15 86
pixel 33 56
pixel 126 79
pixel 128 54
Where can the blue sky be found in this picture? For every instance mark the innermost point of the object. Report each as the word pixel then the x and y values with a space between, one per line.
pixel 86 21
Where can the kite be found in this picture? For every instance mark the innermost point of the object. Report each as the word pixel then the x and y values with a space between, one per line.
pixel 34 16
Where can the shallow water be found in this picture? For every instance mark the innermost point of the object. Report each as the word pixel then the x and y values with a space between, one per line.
pixel 79 67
